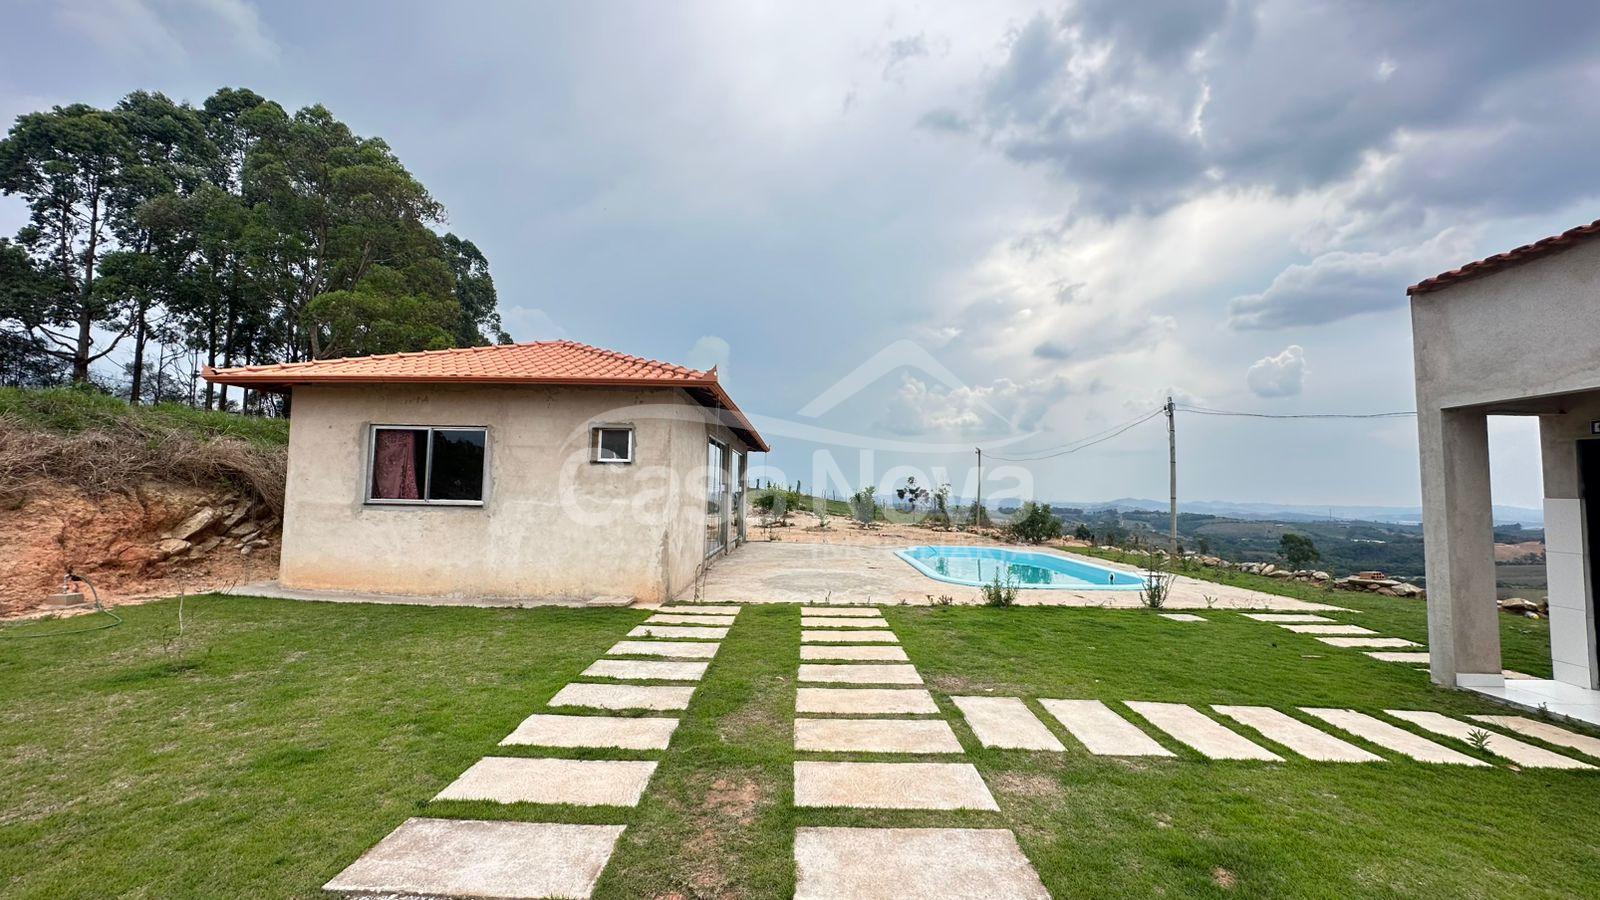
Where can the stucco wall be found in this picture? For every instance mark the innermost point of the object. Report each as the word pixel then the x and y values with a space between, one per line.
pixel 552 523
pixel 1529 331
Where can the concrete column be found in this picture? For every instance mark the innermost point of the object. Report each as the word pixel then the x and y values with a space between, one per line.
pixel 1463 622
pixel 1568 566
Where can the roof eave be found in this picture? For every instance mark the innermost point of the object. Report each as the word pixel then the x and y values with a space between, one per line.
pixel 277 383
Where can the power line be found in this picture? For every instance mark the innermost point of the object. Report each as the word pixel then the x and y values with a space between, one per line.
pixel 1084 443
pixel 1204 411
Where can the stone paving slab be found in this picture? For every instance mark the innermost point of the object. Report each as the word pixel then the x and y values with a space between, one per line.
pixel 840 636
pixel 580 782
pixel 1287 617
pixel 863 673
pixel 891 785
pixel 1375 643
pixel 1006 723
pixel 1544 731
pixel 867 652
pixel 1400 656
pixel 1204 734
pixel 1296 735
pixel 678 631
pixel 1101 730
pixel 864 701
pixel 472 858
pixel 684 619
pixel 840 622
pixel 1389 737
pixel 1183 617
pixel 840 611
pixel 699 610
pixel 646 670
pixel 912 864
pixel 623 696
pixel 620 732
pixel 678 649
pixel 1327 629
pixel 875 736
pixel 1523 754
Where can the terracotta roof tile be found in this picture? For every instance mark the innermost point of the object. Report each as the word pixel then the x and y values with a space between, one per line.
pixel 536 362
pixel 539 362
pixel 1526 253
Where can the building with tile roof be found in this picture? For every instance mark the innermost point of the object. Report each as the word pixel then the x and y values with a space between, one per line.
pixel 1516 334
pixel 545 469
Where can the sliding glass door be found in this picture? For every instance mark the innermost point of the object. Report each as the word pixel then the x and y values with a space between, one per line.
pixel 716 497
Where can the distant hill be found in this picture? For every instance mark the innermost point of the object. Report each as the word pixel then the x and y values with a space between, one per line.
pixel 1399 515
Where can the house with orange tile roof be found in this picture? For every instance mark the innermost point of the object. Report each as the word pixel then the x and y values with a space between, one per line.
pixel 546 469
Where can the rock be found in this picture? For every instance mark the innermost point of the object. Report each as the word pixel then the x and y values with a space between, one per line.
pixel 245 550
pixel 170 546
pixel 1321 576
pixel 198 521
pixel 1520 606
pixel 206 546
pixel 242 528
pixel 1407 590
pixel 240 513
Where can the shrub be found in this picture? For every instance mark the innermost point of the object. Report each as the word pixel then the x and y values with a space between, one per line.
pixel 1298 551
pixel 1157 586
pixel 864 505
pixel 1000 593
pixel 1035 523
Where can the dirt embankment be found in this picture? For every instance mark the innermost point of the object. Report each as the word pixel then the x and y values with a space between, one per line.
pixel 153 540
pixel 143 501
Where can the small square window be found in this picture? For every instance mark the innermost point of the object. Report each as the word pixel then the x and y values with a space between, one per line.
pixel 612 444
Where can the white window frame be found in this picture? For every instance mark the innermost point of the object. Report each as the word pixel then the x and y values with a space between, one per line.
pixel 427 474
pixel 594 444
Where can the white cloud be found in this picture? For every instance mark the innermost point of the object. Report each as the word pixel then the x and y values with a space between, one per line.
pixel 1341 284
pixel 1280 375
pixel 708 351
pixel 920 408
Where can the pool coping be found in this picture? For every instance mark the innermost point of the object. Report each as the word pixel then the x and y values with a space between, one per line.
pixel 917 564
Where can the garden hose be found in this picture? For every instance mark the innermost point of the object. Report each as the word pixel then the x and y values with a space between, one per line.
pixel 99 607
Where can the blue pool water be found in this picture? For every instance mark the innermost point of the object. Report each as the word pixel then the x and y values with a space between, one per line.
pixel 1027 569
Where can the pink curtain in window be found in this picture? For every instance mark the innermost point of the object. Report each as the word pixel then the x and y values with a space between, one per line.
pixel 394 465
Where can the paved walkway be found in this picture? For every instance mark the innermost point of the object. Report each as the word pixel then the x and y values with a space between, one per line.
pixel 885 863
pixel 854 575
pixel 475 858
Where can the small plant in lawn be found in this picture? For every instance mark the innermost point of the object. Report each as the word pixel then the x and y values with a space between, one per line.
pixel 1000 593
pixel 1544 711
pixel 1210 600
pixel 1479 739
pixel 941 600
pixel 819 505
pixel 1157 586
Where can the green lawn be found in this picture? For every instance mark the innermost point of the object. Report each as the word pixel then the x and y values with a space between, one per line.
pixel 275 741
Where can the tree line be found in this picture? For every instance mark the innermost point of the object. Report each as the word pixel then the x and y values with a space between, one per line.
pixel 232 233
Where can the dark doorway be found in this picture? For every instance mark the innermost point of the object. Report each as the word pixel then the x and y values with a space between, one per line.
pixel 1589 485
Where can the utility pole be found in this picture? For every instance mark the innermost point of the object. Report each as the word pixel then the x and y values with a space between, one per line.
pixel 977 508
pixel 1172 463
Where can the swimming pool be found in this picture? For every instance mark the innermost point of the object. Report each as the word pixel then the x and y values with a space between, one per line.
pixel 1026 569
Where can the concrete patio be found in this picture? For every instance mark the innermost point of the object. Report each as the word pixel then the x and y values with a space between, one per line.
pixel 814 573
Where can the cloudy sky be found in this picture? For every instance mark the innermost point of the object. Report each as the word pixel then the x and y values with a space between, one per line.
pixel 905 230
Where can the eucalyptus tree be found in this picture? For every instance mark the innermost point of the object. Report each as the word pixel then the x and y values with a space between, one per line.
pixel 68 164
